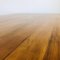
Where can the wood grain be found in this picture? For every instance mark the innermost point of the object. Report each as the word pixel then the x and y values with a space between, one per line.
pixel 37 37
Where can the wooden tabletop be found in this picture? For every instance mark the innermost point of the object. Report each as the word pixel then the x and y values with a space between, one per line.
pixel 30 37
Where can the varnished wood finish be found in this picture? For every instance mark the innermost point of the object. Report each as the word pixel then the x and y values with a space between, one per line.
pixel 30 37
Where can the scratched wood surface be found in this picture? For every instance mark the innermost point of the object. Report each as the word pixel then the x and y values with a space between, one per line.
pixel 30 37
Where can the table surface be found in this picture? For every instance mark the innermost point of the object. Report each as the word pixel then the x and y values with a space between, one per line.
pixel 30 37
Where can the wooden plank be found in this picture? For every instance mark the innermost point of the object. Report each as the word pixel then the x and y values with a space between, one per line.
pixel 35 46
pixel 10 41
pixel 38 38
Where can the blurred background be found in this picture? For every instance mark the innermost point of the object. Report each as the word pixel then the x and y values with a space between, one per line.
pixel 29 6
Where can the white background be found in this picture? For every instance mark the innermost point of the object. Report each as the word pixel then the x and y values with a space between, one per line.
pixel 29 6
